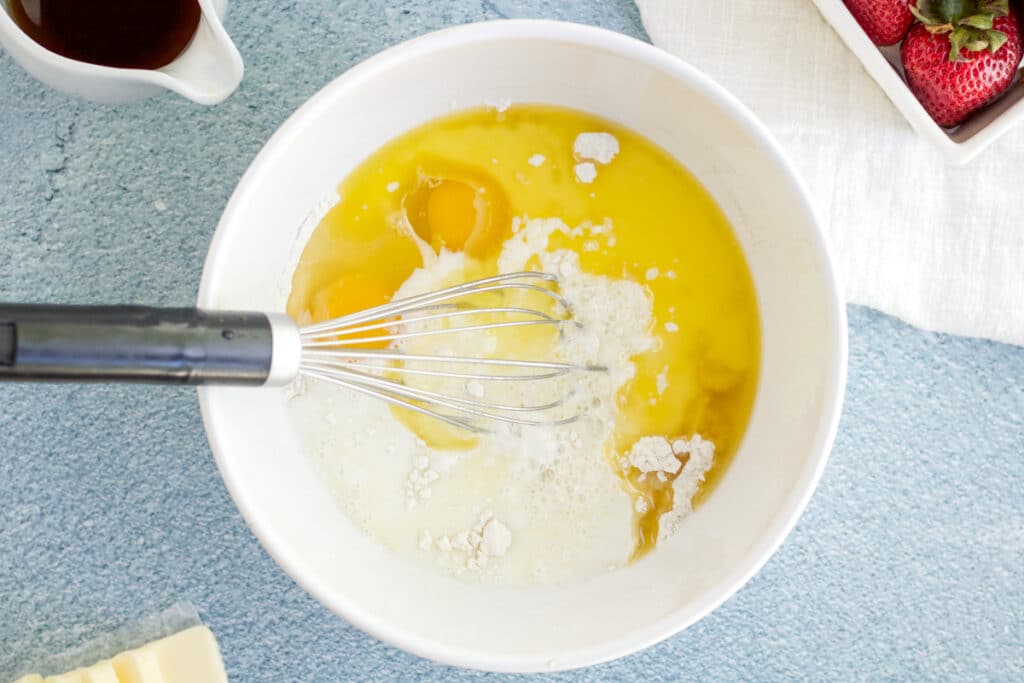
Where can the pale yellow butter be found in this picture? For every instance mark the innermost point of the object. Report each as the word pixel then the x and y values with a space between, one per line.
pixel 102 672
pixel 191 656
pixel 76 676
pixel 138 666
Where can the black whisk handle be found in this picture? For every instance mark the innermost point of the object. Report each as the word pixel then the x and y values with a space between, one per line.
pixel 134 344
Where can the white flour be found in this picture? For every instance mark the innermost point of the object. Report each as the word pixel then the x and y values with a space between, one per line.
pixel 653 454
pixel 589 148
pixel 701 456
pixel 586 172
pixel 599 147
pixel 522 505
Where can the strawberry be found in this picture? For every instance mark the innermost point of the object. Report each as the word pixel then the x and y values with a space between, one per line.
pixel 962 55
pixel 885 21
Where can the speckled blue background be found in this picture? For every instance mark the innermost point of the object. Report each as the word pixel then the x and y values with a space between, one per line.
pixel 909 563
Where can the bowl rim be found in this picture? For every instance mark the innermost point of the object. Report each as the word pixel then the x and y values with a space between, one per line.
pixel 831 406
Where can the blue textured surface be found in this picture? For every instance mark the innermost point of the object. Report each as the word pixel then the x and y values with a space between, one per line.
pixel 909 563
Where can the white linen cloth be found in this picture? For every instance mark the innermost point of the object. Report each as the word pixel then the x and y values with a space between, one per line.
pixel 939 246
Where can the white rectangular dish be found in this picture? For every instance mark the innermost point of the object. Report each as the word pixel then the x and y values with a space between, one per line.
pixel 958 145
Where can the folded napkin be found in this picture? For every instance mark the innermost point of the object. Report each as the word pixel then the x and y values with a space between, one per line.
pixel 941 247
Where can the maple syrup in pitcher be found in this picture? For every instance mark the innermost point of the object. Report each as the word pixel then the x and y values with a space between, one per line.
pixel 128 34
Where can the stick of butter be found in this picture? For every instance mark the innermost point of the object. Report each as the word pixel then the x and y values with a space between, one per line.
pixel 190 656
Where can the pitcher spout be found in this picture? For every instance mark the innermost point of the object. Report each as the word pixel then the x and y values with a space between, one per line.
pixel 210 68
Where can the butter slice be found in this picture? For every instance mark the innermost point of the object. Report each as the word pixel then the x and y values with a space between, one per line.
pixel 190 656
pixel 102 672
pixel 138 666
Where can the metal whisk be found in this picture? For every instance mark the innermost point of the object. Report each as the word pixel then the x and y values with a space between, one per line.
pixel 363 351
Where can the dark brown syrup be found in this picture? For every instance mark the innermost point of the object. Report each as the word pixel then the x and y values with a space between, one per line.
pixel 130 34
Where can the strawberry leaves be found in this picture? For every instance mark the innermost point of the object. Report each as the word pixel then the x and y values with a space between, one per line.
pixel 969 24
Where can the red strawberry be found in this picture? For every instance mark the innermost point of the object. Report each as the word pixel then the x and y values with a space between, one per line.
pixel 962 56
pixel 885 21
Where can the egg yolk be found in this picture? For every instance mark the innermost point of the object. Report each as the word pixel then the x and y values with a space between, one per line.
pixel 351 294
pixel 453 214
pixel 458 208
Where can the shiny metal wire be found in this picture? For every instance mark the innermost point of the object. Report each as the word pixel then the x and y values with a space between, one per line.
pixel 331 353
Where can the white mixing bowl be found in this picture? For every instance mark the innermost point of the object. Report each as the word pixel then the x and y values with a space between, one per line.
pixel 797 407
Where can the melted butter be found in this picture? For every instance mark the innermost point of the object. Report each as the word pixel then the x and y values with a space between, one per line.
pixel 456 182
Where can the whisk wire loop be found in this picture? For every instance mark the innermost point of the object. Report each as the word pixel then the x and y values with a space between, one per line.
pixel 334 351
pixel 498 283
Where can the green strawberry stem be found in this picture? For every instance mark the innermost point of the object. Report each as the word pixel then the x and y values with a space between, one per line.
pixel 968 23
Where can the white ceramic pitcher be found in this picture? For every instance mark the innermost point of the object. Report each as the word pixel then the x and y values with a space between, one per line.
pixel 207 72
